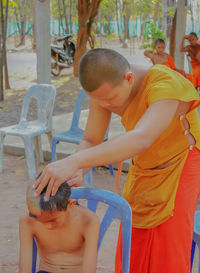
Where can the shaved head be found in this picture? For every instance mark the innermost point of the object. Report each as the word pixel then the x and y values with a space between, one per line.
pixel 32 201
pixel 37 205
pixel 102 65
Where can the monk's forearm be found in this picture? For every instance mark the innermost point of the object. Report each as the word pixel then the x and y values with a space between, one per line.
pixel 112 151
pixel 84 144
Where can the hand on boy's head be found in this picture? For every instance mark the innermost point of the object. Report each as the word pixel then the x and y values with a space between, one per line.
pixel 77 180
pixel 54 174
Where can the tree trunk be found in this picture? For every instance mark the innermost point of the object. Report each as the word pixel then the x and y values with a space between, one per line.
pixel 170 3
pixel 61 18
pixel 70 16
pixel 164 16
pixel 1 51
pixel 65 15
pixel 7 84
pixel 126 11
pixel 34 30
pixel 172 37
pixel 156 9
pixel 22 31
pixel 87 11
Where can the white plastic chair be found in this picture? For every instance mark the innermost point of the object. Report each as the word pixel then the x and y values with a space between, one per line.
pixel 30 131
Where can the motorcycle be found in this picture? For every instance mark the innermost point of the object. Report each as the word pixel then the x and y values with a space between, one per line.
pixel 62 56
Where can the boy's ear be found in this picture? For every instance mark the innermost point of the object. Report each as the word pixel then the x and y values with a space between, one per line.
pixel 71 203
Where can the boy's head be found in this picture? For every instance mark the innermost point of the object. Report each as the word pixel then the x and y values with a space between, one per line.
pixel 52 212
pixel 192 38
pixel 159 46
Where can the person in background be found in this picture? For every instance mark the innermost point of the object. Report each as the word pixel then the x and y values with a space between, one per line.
pixel 193 50
pixel 159 56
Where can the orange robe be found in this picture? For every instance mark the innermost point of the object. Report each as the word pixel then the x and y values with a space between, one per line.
pixel 162 219
pixel 195 76
pixel 170 62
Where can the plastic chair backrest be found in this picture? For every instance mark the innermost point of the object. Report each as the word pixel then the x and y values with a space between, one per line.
pixel 45 95
pixel 118 208
pixel 77 110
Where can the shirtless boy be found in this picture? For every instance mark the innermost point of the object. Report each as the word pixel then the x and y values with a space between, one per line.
pixel 159 56
pixel 193 48
pixel 66 234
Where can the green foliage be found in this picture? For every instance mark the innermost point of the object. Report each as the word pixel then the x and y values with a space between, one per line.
pixel 56 11
pixel 152 33
pixel 143 8
pixel 23 8
pixel 107 10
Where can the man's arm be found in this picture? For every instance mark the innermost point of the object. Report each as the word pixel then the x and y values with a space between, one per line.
pixel 96 126
pixel 152 124
pixel 184 48
pixel 26 237
pixel 149 54
pixel 91 234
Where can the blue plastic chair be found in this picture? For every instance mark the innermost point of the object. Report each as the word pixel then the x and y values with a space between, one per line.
pixel 31 131
pixel 196 238
pixel 75 134
pixel 118 208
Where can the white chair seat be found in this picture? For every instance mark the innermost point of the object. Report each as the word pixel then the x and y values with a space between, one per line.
pixel 30 131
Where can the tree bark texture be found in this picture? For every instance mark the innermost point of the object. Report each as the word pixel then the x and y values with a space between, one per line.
pixel 1 51
pixel 172 37
pixel 87 11
pixel 156 9
pixel 7 84
pixel 126 11
pixel 65 16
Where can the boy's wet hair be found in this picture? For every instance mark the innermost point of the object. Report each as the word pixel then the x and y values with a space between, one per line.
pixel 57 202
pixel 102 65
pixel 159 41
pixel 194 33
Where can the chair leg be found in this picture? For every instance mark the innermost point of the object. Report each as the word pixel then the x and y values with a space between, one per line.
pixel 1 151
pixel 37 151
pixel 53 149
pixel 88 179
pixel 111 170
pixel 30 157
pixel 49 135
pixel 192 253
pixel 40 149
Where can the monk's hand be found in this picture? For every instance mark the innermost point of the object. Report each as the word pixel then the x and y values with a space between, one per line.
pixel 77 180
pixel 54 174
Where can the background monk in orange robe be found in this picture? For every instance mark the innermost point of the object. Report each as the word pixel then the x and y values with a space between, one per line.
pixel 159 56
pixel 193 50
pixel 158 110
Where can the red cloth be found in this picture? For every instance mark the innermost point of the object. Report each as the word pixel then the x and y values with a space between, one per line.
pixel 167 248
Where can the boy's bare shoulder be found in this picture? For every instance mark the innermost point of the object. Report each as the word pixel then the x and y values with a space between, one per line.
pixel 26 220
pixel 87 216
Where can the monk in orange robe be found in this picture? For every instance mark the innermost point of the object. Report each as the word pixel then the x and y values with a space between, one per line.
pixel 193 50
pixel 159 56
pixel 158 110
